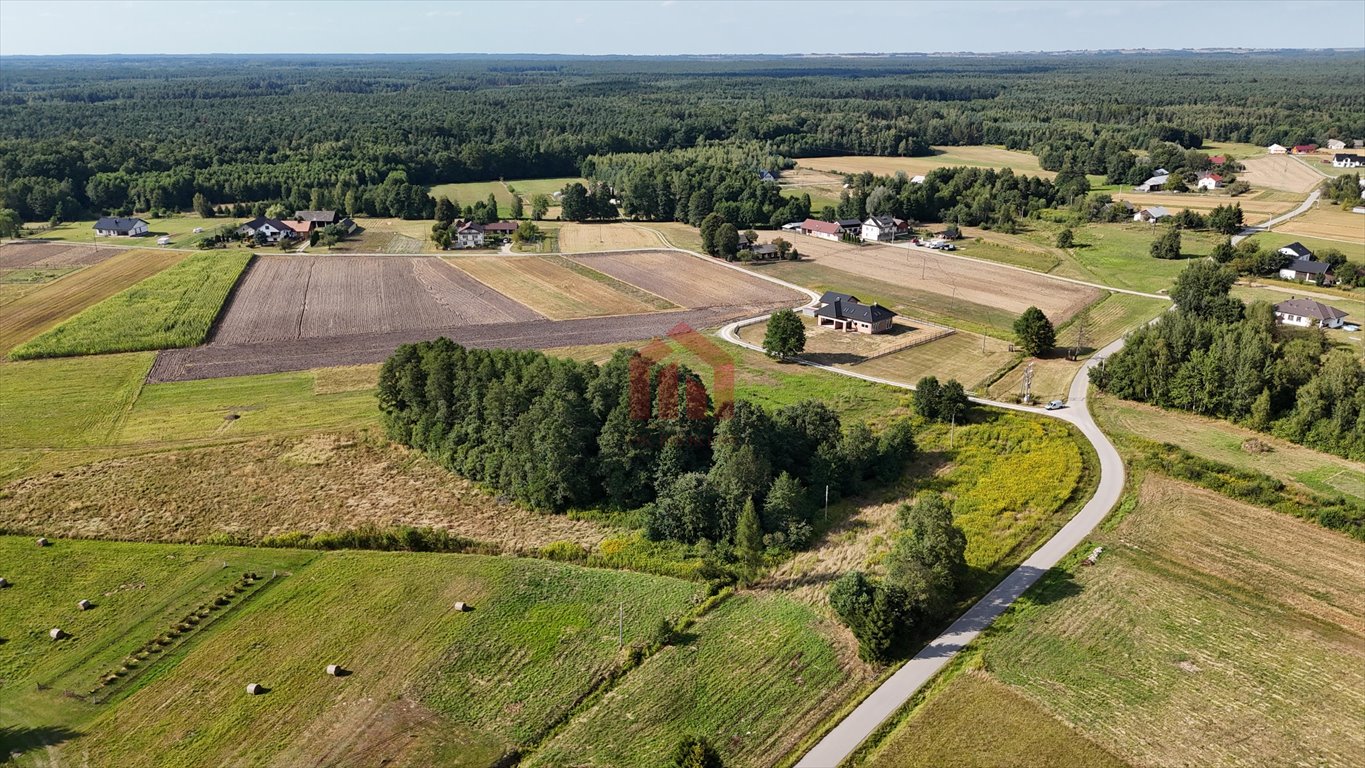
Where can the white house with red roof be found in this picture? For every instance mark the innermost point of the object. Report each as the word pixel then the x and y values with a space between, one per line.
pixel 826 229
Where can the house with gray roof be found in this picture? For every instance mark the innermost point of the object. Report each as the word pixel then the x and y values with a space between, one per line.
pixel 1307 313
pixel 118 226
pixel 842 312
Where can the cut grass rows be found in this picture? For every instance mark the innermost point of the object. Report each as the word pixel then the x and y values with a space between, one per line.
pixel 174 308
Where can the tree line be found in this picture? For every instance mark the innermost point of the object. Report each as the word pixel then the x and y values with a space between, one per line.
pixel 1215 356
pixel 633 434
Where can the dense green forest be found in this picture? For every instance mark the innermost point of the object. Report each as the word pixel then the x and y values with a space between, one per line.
pixel 87 134
pixel 1216 356
pixel 629 435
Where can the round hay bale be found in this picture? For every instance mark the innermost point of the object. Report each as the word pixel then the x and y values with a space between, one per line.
pixel 461 607
pixel 56 633
pixel 4 583
pixel 335 670
pixel 42 542
pixel 255 689
pixel 84 605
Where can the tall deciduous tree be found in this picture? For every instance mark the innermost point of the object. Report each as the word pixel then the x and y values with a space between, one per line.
pixel 785 336
pixel 1035 332
pixel 1167 245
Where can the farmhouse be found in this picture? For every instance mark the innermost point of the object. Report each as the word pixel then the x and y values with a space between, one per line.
pixel 1343 160
pixel 917 179
pixel 816 228
pixel 1296 250
pixel 842 312
pixel 763 251
pixel 112 226
pixel 1276 149
pixel 1151 215
pixel 1308 270
pixel 298 227
pixel 1153 184
pixel 267 230
pixel 850 226
pixel 1209 181
pixel 469 236
pixel 1336 144
pixel 766 175
pixel 1305 149
pixel 1308 313
pixel 315 219
pixel 883 228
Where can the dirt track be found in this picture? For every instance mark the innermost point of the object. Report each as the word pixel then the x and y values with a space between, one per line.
pixel 218 360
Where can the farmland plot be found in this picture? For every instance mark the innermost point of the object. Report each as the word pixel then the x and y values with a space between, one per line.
pixel 301 297
pixel 1330 223
pixel 688 281
pixel 50 255
pixel 554 290
pixel 1280 172
pixel 1006 289
pixel 583 238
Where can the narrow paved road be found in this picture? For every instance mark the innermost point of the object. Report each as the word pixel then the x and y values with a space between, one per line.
pixel 1277 220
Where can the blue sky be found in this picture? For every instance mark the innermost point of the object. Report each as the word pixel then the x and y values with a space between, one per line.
pixel 666 26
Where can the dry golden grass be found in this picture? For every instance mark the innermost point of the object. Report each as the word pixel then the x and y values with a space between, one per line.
pixel 345 378
pixel 1280 172
pixel 1210 633
pixel 1051 380
pixel 321 482
pixel 1330 223
pixel 585 238
pixel 551 289
pixel 959 356
pixel 828 346
pixel 1253 209
pixel 944 157
pixel 35 312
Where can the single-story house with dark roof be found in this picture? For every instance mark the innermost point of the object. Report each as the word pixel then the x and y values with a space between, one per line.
pixel 268 229
pixel 816 228
pixel 1296 250
pixel 1308 313
pixel 116 226
pixel 1347 160
pixel 500 228
pixel 348 225
pixel 850 226
pixel 1153 184
pixel 763 251
pixel 1153 214
pixel 766 175
pixel 846 313
pixel 1308 270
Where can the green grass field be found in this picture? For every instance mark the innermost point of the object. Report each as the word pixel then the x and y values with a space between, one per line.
pixel 755 675
pixel 137 592
pixel 976 722
pixel 1118 255
pixel 180 228
pixel 68 403
pixel 1222 441
pixel 468 193
pixel 1354 251
pixel 430 685
pixel 174 308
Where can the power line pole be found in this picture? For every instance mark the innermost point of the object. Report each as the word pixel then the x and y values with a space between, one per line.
pixel 621 625
pixel 1028 384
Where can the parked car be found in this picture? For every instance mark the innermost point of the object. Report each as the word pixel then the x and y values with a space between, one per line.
pixel 1054 405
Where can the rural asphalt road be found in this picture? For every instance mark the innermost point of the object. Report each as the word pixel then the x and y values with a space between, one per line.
pixel 1277 220
pixel 892 694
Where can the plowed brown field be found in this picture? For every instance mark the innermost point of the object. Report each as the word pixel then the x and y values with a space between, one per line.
pixel 302 297
pixel 687 280
pixel 37 255
pixel 986 284
pixel 1280 172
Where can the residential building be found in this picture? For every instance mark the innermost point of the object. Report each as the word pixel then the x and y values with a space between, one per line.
pixel 917 179
pixel 500 229
pixel 1276 149
pixel 1343 160
pixel 116 226
pixel 842 312
pixel 850 226
pixel 1209 181
pixel 1308 271
pixel 767 175
pixel 267 229
pixel 816 228
pixel 1336 144
pixel 1296 250
pixel 298 227
pixel 763 252
pixel 315 219
pixel 1305 149
pixel 1151 215
pixel 1307 313
pixel 883 228
pixel 469 235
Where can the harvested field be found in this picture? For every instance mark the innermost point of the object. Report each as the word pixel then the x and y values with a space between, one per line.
pixel 968 357
pixel 35 312
pixel 554 290
pixel 49 255
pixel 306 297
pixel 585 238
pixel 1006 289
pixel 689 281
pixel 1280 172
pixel 830 347
pixel 1254 210
pixel 1210 633
pixel 1328 222
pixel 324 482
pixel 943 157
pixel 217 360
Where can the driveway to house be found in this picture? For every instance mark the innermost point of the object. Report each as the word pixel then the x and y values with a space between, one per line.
pixel 892 694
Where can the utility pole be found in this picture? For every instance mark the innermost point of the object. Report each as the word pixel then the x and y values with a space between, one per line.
pixel 952 431
pixel 826 502
pixel 1028 384
pixel 621 625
